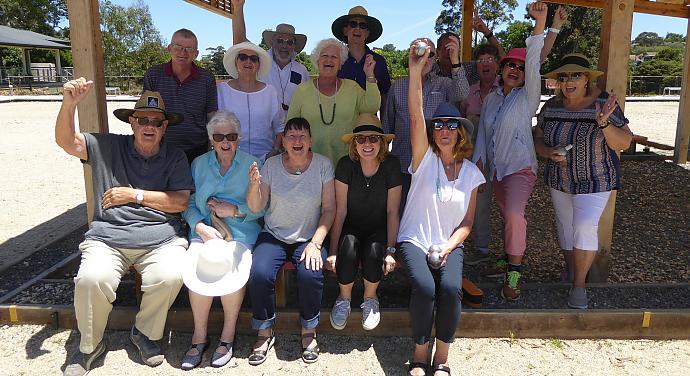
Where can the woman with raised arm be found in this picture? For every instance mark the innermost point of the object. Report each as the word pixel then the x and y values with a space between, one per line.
pixel 437 219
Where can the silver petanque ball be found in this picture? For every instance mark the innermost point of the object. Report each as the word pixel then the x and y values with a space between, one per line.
pixel 434 257
pixel 420 48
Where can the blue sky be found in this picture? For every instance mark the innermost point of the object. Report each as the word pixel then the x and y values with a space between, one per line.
pixel 403 20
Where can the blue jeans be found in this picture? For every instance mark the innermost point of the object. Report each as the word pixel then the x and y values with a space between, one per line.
pixel 428 286
pixel 268 256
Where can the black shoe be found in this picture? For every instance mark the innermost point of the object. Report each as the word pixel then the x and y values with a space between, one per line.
pixel 80 363
pixel 259 356
pixel 443 368
pixel 310 355
pixel 191 361
pixel 151 353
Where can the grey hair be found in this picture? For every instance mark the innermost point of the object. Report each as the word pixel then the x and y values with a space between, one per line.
pixel 223 117
pixel 316 52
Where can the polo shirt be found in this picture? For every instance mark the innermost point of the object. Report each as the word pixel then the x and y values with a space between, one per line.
pixel 194 98
pixel 116 163
pixel 354 70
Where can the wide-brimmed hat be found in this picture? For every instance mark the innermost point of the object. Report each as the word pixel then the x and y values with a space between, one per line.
pixel 365 125
pixel 149 101
pixel 300 39
pixel 231 56
pixel 573 63
pixel 515 54
pixel 375 27
pixel 216 267
pixel 447 111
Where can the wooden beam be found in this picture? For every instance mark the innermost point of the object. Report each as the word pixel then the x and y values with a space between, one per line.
pixel 219 7
pixel 641 6
pixel 466 32
pixel 680 154
pixel 87 53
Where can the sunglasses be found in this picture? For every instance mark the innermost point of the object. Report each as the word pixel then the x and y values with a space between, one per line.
pixel 177 48
pixel 146 121
pixel 514 66
pixel 373 139
pixel 361 25
pixel 218 137
pixel 288 42
pixel 570 77
pixel 451 124
pixel 252 58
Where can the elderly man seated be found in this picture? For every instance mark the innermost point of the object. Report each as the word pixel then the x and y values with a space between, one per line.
pixel 140 187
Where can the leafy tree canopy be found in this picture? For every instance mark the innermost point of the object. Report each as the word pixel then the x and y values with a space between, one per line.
pixel 40 16
pixel 648 38
pixel 493 12
pixel 673 38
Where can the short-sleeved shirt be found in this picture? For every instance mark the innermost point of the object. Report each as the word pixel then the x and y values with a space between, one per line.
pixel 367 198
pixel 285 80
pixel 354 70
pixel 294 206
pixel 194 99
pixel 116 163
pixel 591 165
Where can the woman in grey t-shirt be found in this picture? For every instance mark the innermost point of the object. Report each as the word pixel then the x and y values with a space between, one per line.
pixel 296 188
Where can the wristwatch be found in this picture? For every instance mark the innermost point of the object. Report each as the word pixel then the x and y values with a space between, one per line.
pixel 458 65
pixel 139 196
pixel 390 250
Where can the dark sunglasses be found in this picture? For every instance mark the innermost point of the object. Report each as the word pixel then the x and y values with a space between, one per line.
pixel 146 121
pixel 451 124
pixel 513 65
pixel 289 42
pixel 570 77
pixel 373 139
pixel 252 58
pixel 361 25
pixel 218 137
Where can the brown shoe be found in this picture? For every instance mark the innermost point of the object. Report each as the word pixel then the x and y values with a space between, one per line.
pixel 511 286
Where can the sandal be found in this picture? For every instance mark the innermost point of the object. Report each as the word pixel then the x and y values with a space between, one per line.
pixel 191 361
pixel 442 368
pixel 310 355
pixel 259 356
pixel 421 365
pixel 220 359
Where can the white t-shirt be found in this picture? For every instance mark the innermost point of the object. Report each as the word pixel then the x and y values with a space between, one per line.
pixel 261 118
pixel 285 80
pixel 435 206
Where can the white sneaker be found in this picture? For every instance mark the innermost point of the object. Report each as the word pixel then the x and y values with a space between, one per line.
pixel 371 316
pixel 340 313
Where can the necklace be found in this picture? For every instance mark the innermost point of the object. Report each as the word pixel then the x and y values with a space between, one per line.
pixel 321 108
pixel 298 170
pixel 438 181
pixel 284 87
pixel 367 181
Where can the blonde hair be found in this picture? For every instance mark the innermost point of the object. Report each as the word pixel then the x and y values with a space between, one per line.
pixel 463 146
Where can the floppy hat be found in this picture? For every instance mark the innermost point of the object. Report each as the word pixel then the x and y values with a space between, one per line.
pixel 447 111
pixel 375 27
pixel 367 124
pixel 573 63
pixel 516 54
pixel 300 39
pixel 150 101
pixel 216 267
pixel 231 56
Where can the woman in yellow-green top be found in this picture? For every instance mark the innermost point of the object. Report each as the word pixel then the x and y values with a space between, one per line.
pixel 331 104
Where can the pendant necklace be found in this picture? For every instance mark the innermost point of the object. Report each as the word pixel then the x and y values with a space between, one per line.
pixel 438 182
pixel 367 181
pixel 284 87
pixel 321 108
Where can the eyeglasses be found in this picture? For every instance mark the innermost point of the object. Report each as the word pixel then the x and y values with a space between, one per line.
pixel 252 58
pixel 570 77
pixel 146 121
pixel 296 137
pixel 177 48
pixel 361 25
pixel 218 137
pixel 289 42
pixel 486 60
pixel 513 66
pixel 451 124
pixel 372 139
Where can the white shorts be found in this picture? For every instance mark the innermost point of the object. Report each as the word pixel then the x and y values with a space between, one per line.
pixel 577 218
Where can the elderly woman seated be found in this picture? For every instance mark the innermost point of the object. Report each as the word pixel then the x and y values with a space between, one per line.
pixel 220 179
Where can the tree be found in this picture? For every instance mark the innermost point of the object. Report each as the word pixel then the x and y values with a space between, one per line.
pixel 388 47
pixel 674 38
pixel 396 60
pixel 515 34
pixel 40 16
pixel 670 54
pixel 304 58
pixel 581 34
pixel 493 12
pixel 648 38
pixel 213 61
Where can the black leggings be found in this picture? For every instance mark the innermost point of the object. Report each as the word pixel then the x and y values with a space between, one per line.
pixel 367 249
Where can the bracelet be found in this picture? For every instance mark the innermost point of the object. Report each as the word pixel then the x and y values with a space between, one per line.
pixel 458 65
pixel 489 36
pixel 554 30
pixel 316 245
pixel 608 122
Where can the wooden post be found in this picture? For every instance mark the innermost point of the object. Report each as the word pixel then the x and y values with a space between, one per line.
pixel 613 61
pixel 58 66
pixel 466 32
pixel 87 52
pixel 680 155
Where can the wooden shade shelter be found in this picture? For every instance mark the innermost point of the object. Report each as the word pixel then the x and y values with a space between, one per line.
pixel 613 61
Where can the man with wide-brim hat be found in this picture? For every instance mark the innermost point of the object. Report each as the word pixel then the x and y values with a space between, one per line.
pixel 357 28
pixel 286 72
pixel 140 186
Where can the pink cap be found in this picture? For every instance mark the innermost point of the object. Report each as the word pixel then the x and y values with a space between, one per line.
pixel 515 53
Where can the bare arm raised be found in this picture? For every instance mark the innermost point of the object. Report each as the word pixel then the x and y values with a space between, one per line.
pixel 66 136
pixel 418 139
pixel 239 29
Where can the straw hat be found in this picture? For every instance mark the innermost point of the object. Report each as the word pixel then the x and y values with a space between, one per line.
pixel 375 27
pixel 365 125
pixel 300 39
pixel 231 56
pixel 573 63
pixel 216 267
pixel 150 101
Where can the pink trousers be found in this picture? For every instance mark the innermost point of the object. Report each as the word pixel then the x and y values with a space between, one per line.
pixel 512 194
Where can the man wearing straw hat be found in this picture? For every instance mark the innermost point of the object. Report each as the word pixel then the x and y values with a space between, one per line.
pixel 140 187
pixel 286 72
